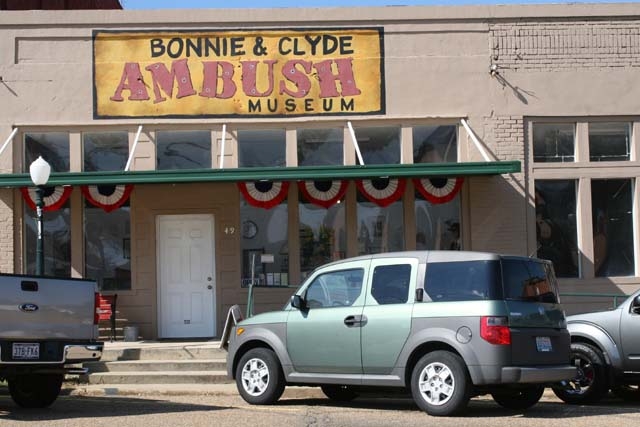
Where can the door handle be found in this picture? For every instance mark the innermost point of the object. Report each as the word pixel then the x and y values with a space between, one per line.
pixel 355 320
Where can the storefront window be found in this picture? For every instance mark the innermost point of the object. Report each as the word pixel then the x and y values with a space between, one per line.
pixel 106 151
pixel 262 148
pixel 107 247
pixel 553 142
pixel 379 145
pixel 435 144
pixel 183 149
pixel 379 229
pixel 264 232
pixel 612 208
pixel 322 235
pixel 609 141
pixel 437 226
pixel 320 147
pixel 556 231
pixel 52 146
pixel 56 240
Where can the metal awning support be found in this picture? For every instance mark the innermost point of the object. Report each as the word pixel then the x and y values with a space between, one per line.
pixel 133 150
pixel 355 143
pixel 224 135
pixel 13 133
pixel 475 140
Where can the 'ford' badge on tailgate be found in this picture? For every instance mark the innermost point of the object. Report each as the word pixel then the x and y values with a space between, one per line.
pixel 28 307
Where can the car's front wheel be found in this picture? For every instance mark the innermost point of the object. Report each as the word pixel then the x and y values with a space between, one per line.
pixel 35 390
pixel 259 377
pixel 440 383
pixel 518 399
pixel 590 384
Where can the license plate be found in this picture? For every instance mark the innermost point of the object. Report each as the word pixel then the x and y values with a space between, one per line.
pixel 26 351
pixel 544 344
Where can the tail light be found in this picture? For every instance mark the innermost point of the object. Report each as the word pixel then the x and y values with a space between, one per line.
pixel 495 330
pixel 96 308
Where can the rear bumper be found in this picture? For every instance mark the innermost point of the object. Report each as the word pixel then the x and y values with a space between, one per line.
pixel 537 374
pixel 70 353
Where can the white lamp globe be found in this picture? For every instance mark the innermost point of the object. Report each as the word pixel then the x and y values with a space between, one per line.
pixel 40 171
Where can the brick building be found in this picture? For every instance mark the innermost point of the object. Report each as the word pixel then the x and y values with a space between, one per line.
pixel 196 152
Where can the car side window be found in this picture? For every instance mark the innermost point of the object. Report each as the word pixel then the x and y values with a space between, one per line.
pixel 462 281
pixel 335 289
pixel 390 283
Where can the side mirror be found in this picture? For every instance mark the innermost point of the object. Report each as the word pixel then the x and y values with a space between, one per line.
pixel 635 305
pixel 298 302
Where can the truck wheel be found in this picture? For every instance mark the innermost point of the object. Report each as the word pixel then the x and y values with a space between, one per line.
pixel 259 377
pixel 440 383
pixel 35 391
pixel 339 393
pixel 518 399
pixel 590 384
pixel 628 392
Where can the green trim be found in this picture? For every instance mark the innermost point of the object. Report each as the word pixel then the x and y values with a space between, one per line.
pixel 301 173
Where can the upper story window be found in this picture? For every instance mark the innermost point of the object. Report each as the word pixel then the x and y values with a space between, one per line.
pixel 262 148
pixel 435 144
pixel 609 141
pixel 320 147
pixel 105 151
pixel 52 146
pixel 554 142
pixel 183 149
pixel 379 145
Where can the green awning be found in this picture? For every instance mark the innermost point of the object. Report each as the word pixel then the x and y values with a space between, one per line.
pixel 302 173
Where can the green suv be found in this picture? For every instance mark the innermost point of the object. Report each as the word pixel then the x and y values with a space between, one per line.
pixel 445 325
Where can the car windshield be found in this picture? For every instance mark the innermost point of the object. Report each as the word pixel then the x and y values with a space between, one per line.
pixel 529 280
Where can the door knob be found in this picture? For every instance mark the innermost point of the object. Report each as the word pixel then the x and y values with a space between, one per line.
pixel 209 287
pixel 208 279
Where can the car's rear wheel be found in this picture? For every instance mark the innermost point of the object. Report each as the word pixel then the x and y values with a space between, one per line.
pixel 35 390
pixel 339 393
pixel 590 384
pixel 518 399
pixel 259 377
pixel 628 392
pixel 440 383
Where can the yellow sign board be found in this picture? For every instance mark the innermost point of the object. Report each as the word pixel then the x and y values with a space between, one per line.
pixel 239 73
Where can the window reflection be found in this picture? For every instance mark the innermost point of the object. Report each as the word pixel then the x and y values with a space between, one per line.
pixel 56 240
pixel 379 145
pixel 52 146
pixel 435 144
pixel 320 147
pixel 379 229
pixel 609 141
pixel 553 142
pixel 262 148
pixel 106 151
pixel 437 226
pixel 183 150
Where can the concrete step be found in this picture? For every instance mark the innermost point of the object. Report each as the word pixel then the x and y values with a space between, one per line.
pixel 162 353
pixel 158 365
pixel 167 377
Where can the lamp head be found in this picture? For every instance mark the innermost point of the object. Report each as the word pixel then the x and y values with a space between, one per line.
pixel 40 171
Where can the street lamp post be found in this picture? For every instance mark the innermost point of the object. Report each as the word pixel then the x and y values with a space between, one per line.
pixel 39 171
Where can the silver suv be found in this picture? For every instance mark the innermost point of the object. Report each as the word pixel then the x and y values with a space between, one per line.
pixel 445 325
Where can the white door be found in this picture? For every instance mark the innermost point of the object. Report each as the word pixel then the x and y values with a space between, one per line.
pixel 186 276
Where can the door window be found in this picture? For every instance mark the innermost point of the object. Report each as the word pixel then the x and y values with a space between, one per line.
pixel 390 284
pixel 335 289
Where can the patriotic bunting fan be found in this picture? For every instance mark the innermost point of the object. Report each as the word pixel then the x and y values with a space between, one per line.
pixel 107 197
pixel 438 190
pixel 324 193
pixel 382 191
pixel 264 194
pixel 54 196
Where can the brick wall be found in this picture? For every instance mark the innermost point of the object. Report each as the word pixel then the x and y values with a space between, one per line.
pixel 562 45
pixel 6 230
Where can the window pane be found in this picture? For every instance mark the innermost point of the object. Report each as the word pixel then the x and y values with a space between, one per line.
pixel 262 148
pixel 556 231
pixel 52 146
pixel 609 141
pixel 56 241
pixel 107 247
pixel 335 289
pixel 390 284
pixel 525 280
pixel 553 142
pixel 184 150
pixel 612 227
pixel 380 145
pixel 320 147
pixel 462 281
pixel 322 235
pixel 264 231
pixel 437 226
pixel 435 144
pixel 106 151
pixel 379 229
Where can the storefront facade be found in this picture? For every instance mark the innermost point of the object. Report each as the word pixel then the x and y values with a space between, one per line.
pixel 187 148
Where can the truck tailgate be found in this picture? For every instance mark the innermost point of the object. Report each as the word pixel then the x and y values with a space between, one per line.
pixel 46 308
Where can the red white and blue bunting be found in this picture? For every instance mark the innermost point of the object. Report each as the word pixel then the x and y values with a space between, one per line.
pixel 382 191
pixel 324 193
pixel 438 190
pixel 264 194
pixel 54 196
pixel 107 197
